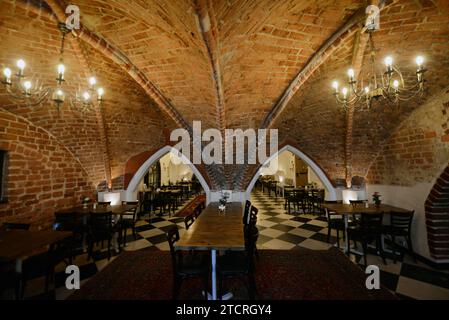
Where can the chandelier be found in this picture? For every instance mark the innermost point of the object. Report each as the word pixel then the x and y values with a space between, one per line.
pixel 388 85
pixel 21 87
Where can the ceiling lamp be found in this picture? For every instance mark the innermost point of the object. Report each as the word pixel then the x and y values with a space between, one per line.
pixel 388 84
pixel 23 88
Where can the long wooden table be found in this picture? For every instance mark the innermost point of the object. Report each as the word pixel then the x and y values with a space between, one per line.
pixel 215 231
pixel 348 209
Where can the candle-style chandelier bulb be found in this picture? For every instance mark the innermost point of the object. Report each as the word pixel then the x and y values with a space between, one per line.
pixel 7 73
pixel 388 61
pixel 351 74
pixel 92 81
pixel 100 93
pixel 21 65
pixel 419 61
pixel 61 69
pixel 86 96
pixel 335 86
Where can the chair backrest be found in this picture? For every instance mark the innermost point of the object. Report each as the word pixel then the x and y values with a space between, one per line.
pixel 371 220
pixel 101 222
pixel 15 226
pixel 329 214
pixel 172 237
pixel 246 212
pixel 253 216
pixel 299 194
pixel 188 220
pixel 402 220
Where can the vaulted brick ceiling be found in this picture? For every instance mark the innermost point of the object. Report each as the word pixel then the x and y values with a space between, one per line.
pixel 228 62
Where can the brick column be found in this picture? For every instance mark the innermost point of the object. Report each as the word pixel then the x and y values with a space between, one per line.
pixel 437 217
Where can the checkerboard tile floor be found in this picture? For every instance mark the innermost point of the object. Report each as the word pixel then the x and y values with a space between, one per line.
pixel 280 231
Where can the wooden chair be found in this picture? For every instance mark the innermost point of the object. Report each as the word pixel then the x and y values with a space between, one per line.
pixel 101 228
pixel 238 264
pixel 368 230
pixel 128 220
pixel 250 230
pixel 189 220
pixel 400 226
pixel 334 222
pixel 186 265
pixel 246 212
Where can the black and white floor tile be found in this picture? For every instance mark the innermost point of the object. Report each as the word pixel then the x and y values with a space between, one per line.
pixel 280 231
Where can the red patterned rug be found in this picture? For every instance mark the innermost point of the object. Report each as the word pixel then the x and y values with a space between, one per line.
pixel 280 275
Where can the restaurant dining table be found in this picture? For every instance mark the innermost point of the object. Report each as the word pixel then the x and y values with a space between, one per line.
pixel 83 211
pixel 348 209
pixel 17 245
pixel 214 231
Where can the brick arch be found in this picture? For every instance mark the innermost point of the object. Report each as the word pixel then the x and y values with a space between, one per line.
pixel 43 175
pixel 437 217
pixel 138 165
pixel 332 193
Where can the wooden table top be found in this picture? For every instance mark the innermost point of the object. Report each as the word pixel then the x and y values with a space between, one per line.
pixel 16 244
pixel 215 230
pixel 343 208
pixel 81 210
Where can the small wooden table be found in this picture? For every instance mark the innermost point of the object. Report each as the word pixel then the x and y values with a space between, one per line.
pixel 215 231
pixel 19 244
pixel 346 209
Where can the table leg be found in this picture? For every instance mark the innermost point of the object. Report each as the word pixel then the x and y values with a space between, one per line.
pixel 214 273
pixel 19 283
pixel 345 217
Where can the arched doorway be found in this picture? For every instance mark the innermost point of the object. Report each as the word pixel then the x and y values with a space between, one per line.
pixel 331 193
pixel 131 190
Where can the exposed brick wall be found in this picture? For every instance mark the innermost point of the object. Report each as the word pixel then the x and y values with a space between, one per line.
pixel 437 217
pixel 132 122
pixel 43 174
pixel 418 149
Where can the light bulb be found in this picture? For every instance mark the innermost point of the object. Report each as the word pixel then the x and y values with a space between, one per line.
pixel 27 85
pixel 388 61
pixel 366 90
pixel 59 92
pixel 86 95
pixel 419 60
pixel 7 72
pixel 396 84
pixel 92 81
pixel 351 73
pixel 21 64
pixel 345 92
pixel 335 85
pixel 61 68
pixel 100 92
